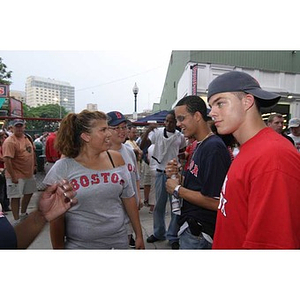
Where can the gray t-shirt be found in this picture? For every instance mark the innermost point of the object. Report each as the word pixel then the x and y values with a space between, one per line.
pixel 132 166
pixel 98 220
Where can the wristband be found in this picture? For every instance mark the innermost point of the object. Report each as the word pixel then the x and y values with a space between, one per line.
pixel 176 191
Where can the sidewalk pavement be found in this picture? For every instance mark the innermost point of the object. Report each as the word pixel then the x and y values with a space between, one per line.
pixel 43 239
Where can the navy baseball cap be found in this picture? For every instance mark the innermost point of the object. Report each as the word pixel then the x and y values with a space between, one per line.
pixel 236 81
pixel 18 122
pixel 115 118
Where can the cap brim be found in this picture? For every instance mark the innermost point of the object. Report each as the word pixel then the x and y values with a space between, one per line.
pixel 117 122
pixel 264 98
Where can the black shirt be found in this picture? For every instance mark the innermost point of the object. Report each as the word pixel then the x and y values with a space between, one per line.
pixel 206 173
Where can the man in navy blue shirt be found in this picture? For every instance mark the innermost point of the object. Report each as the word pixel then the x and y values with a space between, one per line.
pixel 201 187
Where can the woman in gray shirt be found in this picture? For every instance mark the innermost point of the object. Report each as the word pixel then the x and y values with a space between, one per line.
pixel 102 183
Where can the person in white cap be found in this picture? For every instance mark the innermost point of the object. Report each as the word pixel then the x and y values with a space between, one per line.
pixel 294 126
pixel 259 202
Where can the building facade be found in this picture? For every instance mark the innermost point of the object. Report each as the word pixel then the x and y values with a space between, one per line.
pixel 19 95
pixel 92 106
pixel 190 72
pixel 41 91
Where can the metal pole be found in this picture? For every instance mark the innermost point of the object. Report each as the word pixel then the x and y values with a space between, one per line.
pixel 135 94
pixel 60 109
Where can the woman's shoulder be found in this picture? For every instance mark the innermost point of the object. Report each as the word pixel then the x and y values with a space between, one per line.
pixel 65 162
pixel 116 158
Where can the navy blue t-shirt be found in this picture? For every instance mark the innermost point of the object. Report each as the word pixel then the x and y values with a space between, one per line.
pixel 8 239
pixel 206 173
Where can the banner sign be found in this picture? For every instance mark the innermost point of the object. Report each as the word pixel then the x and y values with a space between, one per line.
pixel 194 79
pixel 16 107
pixel 4 89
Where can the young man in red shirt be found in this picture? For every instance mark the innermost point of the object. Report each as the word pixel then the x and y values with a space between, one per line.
pixel 259 203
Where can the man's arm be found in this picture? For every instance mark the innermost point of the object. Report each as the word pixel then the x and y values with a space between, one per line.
pixel 57 233
pixel 10 169
pixel 29 229
pixel 140 205
pixel 145 142
pixel 133 214
pixel 194 197
pixel 54 202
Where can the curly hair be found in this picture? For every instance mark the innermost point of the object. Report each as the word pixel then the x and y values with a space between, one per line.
pixel 68 141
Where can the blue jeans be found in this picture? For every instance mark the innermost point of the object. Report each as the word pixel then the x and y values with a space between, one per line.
pixel 159 212
pixel 189 241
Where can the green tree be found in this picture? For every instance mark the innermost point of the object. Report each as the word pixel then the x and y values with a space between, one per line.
pixel 43 111
pixel 48 111
pixel 4 74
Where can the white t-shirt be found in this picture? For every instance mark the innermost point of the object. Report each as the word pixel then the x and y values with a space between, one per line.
pixel 166 149
pixel 296 140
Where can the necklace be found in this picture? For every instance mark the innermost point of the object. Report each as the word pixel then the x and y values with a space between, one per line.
pixel 200 142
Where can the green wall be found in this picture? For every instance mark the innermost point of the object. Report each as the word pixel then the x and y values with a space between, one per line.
pixel 284 61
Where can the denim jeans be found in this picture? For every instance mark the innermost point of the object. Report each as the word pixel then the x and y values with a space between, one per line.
pixel 159 224
pixel 189 241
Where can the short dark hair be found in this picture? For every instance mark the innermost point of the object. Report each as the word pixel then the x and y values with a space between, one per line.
pixel 172 113
pixel 193 104
pixel 273 116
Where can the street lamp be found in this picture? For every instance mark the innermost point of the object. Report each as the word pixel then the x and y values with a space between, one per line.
pixel 65 100
pixel 135 92
pixel 59 101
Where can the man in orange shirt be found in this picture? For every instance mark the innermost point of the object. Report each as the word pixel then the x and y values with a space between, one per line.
pixel 19 161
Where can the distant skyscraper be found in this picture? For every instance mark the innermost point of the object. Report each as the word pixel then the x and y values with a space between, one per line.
pixel 40 91
pixel 92 106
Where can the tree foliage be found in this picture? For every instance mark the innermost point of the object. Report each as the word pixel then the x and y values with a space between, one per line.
pixel 44 111
pixel 4 74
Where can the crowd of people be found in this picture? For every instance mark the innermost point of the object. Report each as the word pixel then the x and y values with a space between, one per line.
pixel 233 177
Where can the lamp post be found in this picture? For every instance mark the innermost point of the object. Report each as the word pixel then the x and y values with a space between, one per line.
pixel 59 101
pixel 135 92
pixel 65 100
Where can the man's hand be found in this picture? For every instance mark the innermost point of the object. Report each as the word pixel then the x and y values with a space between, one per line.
pixel 14 180
pixel 171 185
pixel 172 168
pixel 57 199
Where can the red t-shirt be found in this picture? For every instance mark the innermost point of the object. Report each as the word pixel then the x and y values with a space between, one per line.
pixel 260 199
pixel 190 150
pixel 52 155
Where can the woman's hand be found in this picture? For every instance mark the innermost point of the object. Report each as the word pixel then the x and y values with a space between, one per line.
pixel 57 199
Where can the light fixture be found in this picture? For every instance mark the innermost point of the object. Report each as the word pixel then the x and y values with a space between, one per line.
pixel 135 92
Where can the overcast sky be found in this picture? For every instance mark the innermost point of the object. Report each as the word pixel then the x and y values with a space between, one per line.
pixel 104 77
pixel 105 48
